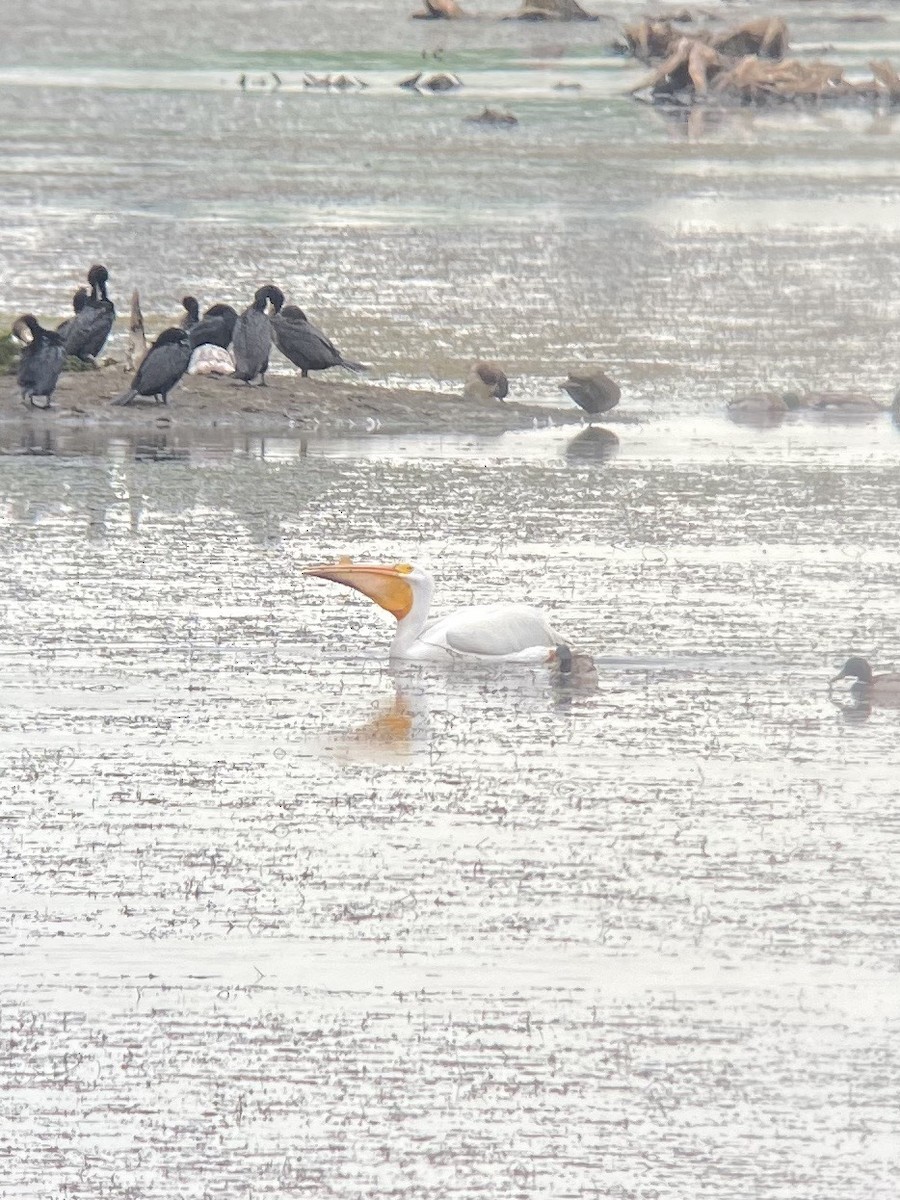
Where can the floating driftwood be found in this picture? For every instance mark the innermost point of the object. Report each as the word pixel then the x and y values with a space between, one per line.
pixel 551 10
pixel 439 10
pixel 493 117
pixel 650 40
pixel 440 81
pixel 745 65
pixel 334 82
pixel 752 81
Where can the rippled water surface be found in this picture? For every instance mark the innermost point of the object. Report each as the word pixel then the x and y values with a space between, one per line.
pixel 281 921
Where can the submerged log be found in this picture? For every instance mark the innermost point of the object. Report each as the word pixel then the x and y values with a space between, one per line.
pixel 648 39
pixel 691 67
pixel 440 81
pixel 755 81
pixel 551 10
pixel 766 37
pixel 439 10
pixel 887 78
pixel 493 116
pixel 654 39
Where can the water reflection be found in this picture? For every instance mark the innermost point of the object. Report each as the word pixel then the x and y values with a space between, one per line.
pixel 855 713
pixel 427 699
pixel 159 447
pixel 594 443
pixel 55 437
pixel 693 122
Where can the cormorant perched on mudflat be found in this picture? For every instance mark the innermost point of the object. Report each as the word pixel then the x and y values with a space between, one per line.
pixel 166 362
pixel 216 328
pixel 252 336
pixel 191 312
pixel 307 347
pixel 88 332
pixel 78 302
pixel 42 360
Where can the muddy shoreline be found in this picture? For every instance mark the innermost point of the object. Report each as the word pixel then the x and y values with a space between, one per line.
pixel 285 403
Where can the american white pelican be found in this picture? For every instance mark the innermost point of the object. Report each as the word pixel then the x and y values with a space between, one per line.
pixel 515 633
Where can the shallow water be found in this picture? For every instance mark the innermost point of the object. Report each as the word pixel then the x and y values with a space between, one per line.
pixel 278 921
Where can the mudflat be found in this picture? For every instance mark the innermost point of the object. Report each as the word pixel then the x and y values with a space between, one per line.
pixel 286 402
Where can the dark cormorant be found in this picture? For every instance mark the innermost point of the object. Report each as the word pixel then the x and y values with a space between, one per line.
pixel 307 347
pixel 166 362
pixel 78 302
pixel 216 328
pixel 42 360
pixel 191 312
pixel 252 336
pixel 88 332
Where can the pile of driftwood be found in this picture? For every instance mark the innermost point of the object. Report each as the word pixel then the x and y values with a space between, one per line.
pixel 650 40
pixel 531 10
pixel 744 65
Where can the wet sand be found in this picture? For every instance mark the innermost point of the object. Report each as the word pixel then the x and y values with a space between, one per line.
pixel 286 402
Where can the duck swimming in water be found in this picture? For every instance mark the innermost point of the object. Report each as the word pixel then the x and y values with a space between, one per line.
pixel 42 359
pixel 884 687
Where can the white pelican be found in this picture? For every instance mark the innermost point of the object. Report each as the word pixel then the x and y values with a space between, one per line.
pixel 515 633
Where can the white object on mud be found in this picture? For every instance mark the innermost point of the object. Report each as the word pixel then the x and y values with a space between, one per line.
pixel 211 360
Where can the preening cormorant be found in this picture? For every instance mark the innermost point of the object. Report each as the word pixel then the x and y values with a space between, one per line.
pixel 166 362
pixel 307 347
pixel 191 312
pixel 87 334
pixel 216 328
pixel 78 302
pixel 252 336
pixel 42 360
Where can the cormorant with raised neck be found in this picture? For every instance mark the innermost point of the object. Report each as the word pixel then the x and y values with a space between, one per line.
pixel 87 334
pixel 252 336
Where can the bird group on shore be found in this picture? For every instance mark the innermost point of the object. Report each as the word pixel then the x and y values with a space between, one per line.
pixel 222 341
pixel 248 334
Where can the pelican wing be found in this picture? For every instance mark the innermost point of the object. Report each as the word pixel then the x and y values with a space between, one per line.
pixel 493 630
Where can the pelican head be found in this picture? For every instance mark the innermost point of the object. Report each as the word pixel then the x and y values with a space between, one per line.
pixel 392 588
